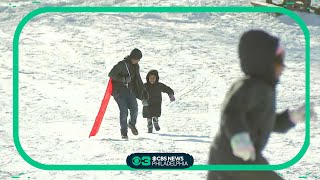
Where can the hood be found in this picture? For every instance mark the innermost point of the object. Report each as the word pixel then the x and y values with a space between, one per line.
pixel 257 53
pixel 153 72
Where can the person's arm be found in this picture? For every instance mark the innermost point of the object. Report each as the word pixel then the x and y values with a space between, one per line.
pixel 145 97
pixel 289 118
pixel 242 97
pixel 141 88
pixel 114 74
pixel 166 89
pixel 239 100
pixel 283 122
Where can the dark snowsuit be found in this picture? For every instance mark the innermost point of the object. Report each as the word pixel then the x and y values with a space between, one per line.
pixel 250 106
pixel 154 92
pixel 126 96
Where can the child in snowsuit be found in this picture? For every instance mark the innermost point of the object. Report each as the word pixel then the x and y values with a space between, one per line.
pixel 249 111
pixel 153 99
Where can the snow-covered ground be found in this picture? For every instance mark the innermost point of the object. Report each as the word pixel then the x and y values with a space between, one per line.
pixel 64 60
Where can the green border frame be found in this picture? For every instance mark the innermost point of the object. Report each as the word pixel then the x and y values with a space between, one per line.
pixel 176 9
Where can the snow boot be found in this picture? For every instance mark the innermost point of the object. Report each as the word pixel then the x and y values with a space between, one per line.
pixel 133 128
pixel 156 123
pixel 124 135
pixel 150 126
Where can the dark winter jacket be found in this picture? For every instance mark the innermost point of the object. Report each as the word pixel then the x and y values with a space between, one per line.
pixel 125 68
pixel 250 106
pixel 154 96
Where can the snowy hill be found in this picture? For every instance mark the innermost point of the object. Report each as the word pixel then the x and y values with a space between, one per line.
pixel 64 60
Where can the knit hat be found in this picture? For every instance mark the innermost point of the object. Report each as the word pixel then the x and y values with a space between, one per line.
pixel 135 54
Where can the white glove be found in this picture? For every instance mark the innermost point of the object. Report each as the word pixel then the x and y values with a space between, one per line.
pixel 242 146
pixel 298 115
pixel 145 103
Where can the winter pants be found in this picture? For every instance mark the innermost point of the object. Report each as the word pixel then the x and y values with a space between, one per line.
pixel 127 100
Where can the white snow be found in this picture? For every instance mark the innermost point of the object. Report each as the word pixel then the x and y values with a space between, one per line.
pixel 64 60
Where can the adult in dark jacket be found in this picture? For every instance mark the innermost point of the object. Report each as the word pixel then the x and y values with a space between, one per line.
pixel 249 111
pixel 152 109
pixel 127 86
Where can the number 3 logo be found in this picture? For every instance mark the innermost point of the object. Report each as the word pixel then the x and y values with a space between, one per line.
pixel 146 160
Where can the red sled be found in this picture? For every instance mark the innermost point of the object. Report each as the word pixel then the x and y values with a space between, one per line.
pixel 102 109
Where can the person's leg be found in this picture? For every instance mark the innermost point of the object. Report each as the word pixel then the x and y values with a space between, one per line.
pixel 133 107
pixel 122 104
pixel 156 123
pixel 150 126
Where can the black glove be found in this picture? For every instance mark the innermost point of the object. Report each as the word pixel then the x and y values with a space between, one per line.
pixel 126 80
